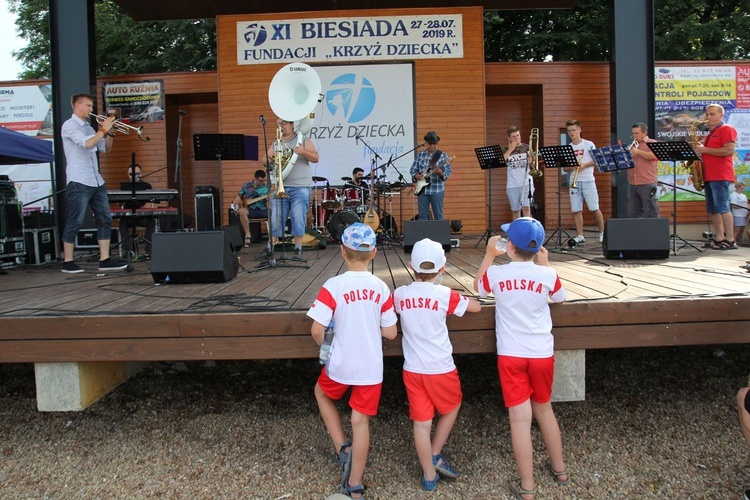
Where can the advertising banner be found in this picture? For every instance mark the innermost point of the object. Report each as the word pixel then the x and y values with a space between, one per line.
pixel 682 94
pixel 27 109
pixel 134 102
pixel 335 40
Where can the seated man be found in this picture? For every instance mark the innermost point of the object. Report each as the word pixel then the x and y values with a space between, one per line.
pixel 250 203
pixel 128 224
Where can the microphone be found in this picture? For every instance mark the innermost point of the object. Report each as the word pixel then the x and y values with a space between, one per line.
pixel 262 119
pixel 421 144
pixel 182 112
pixel 356 139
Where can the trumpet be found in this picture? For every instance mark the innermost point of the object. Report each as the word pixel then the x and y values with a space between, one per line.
pixel 534 152
pixel 633 144
pixel 123 128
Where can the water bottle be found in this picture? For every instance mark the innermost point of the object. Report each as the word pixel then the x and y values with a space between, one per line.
pixel 501 244
pixel 325 347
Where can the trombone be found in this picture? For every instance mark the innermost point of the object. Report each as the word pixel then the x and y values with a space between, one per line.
pixel 118 126
pixel 534 152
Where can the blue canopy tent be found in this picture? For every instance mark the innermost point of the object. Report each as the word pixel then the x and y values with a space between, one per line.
pixel 19 149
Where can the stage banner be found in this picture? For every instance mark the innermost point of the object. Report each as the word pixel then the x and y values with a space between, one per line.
pixel 682 94
pixel 364 105
pixel 133 102
pixel 350 39
pixel 27 109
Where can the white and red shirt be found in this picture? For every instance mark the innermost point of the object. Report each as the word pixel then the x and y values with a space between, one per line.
pixel 582 151
pixel 423 307
pixel 359 304
pixel 523 325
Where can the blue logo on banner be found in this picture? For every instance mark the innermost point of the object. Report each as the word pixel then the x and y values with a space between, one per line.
pixel 350 98
pixel 255 34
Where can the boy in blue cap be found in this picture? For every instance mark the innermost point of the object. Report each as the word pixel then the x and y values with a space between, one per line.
pixel 361 307
pixel 525 346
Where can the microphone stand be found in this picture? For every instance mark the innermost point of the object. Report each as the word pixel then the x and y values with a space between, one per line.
pixel 178 170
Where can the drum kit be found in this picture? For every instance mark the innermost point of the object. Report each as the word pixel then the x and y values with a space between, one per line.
pixel 335 209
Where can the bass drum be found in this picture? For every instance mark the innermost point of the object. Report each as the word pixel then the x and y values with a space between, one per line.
pixel 340 221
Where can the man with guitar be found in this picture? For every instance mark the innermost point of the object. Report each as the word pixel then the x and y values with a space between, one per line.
pixel 250 203
pixel 430 170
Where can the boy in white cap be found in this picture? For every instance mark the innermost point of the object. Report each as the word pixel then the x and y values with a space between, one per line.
pixel 430 375
pixel 361 306
pixel 525 345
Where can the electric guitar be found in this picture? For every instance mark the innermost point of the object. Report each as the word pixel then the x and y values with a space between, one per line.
pixel 422 183
pixel 249 202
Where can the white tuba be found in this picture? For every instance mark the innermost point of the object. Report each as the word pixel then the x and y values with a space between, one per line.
pixel 293 94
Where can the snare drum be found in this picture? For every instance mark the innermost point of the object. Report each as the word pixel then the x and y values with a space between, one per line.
pixel 330 198
pixel 322 215
pixel 361 209
pixel 340 221
pixel 352 196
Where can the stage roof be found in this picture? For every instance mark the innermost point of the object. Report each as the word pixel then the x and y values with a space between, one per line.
pixel 164 10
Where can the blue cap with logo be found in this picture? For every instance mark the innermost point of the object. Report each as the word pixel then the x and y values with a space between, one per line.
pixel 526 233
pixel 359 237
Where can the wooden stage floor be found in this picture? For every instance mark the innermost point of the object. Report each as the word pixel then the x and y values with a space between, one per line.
pixel 690 298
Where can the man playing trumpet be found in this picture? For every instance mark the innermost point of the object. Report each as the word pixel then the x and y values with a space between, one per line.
pixel 643 180
pixel 85 183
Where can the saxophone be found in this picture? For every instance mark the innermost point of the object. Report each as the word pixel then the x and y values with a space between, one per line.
pixel 695 168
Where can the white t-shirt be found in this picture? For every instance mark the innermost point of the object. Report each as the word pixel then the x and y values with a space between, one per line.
pixel 523 324
pixel 360 304
pixel 423 307
pixel 518 164
pixel 738 199
pixel 582 151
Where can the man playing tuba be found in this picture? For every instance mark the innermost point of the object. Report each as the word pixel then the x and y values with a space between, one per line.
pixel 297 185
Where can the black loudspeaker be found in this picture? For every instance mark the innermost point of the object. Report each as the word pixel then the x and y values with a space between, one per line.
pixel 206 215
pixel 194 257
pixel 436 230
pixel 636 239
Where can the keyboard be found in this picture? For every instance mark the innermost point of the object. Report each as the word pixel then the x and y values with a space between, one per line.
pixel 143 212
pixel 119 195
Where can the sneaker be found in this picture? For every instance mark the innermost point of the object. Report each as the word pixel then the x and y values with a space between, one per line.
pixel 443 467
pixel 430 485
pixel 580 240
pixel 601 237
pixel 71 268
pixel 264 255
pixel 297 254
pixel 112 265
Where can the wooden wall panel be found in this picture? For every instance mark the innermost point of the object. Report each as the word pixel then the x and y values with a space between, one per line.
pixel 450 99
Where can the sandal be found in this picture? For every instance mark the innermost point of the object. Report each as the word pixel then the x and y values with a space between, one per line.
pixel 730 245
pixel 349 490
pixel 515 489
pixel 345 462
pixel 443 467
pixel 556 475
pixel 720 245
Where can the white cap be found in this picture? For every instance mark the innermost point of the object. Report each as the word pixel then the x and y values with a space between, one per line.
pixel 427 250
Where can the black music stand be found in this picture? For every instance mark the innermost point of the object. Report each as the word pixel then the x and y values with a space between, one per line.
pixel 612 158
pixel 489 157
pixel 209 147
pixel 558 157
pixel 674 152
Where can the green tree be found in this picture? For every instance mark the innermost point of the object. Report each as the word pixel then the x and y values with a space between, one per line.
pixel 683 31
pixel 123 46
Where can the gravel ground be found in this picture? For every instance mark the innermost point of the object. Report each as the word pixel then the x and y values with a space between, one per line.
pixel 657 423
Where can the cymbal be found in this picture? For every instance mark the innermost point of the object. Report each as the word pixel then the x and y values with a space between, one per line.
pixel 319 179
pixel 346 179
pixel 399 185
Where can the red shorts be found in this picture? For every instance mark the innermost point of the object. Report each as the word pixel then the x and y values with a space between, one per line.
pixel 365 398
pixel 525 378
pixel 427 393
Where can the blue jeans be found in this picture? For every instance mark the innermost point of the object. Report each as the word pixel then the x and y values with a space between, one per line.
pixel 80 197
pixel 436 200
pixel 294 206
